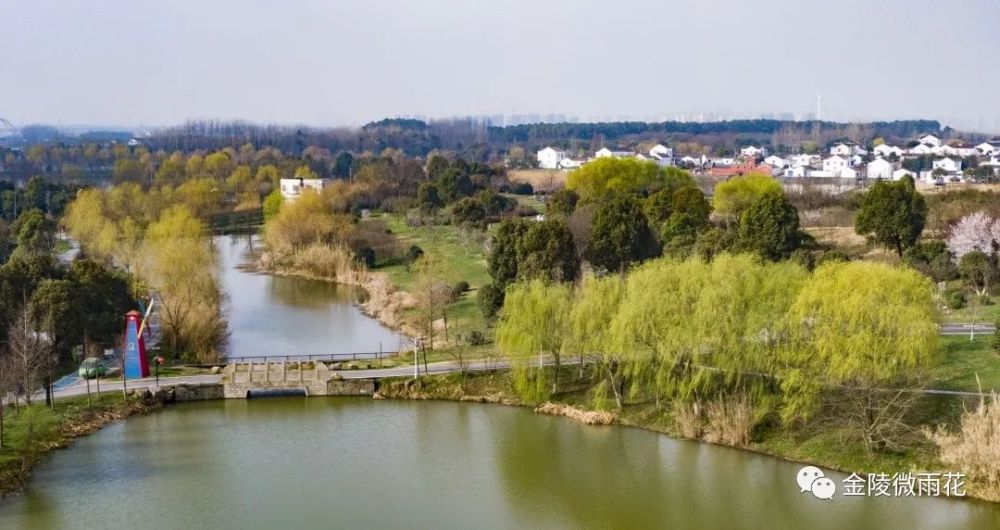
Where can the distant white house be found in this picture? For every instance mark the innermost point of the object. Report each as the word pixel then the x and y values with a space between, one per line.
pixel 986 149
pixel 886 150
pixel 796 171
pixel 604 152
pixel 922 149
pixel 723 161
pixel 840 150
pixel 961 150
pixel 550 157
pixel 753 151
pixel 880 168
pixel 947 164
pixel 930 140
pixel 847 149
pixel 690 160
pixel 834 164
pixel 661 151
pixel 776 161
pixel 134 142
pixel 803 160
pixel 571 163
pixel 856 160
pixel 292 188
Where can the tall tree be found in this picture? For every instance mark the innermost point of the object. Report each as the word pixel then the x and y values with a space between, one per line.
pixel 892 214
pixel 533 323
pixel 546 251
pixel 621 235
pixel 769 227
pixel 866 326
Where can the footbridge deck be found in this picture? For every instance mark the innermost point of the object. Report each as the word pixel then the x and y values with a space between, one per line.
pixel 316 375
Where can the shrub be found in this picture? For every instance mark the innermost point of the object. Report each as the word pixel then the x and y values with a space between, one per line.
pixel 687 418
pixel 476 338
pixel 414 253
pixel 955 299
pixel 522 188
pixel 459 288
pixel 730 420
pixel 490 299
pixel 975 449
pixel 366 255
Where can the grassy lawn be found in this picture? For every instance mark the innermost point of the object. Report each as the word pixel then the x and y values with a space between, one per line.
pixel 987 314
pixel 29 432
pixel 962 360
pixel 464 257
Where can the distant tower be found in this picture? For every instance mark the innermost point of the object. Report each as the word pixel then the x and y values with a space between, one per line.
pixel 819 107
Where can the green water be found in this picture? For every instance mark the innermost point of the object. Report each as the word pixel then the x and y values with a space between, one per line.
pixel 291 463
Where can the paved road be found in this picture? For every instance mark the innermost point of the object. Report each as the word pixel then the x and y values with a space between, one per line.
pixel 964 329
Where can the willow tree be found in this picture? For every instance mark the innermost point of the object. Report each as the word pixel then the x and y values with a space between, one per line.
pixel 733 196
pixel 533 322
pixel 179 263
pixel 654 327
pixel 859 329
pixel 594 307
pixel 740 318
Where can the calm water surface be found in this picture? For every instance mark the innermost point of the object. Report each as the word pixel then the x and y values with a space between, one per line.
pixel 357 463
pixel 269 315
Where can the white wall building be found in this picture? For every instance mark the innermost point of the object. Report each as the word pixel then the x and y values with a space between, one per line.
pixel 846 149
pixel 292 188
pixel 986 149
pixel 930 140
pixel 803 160
pixel 776 161
pixel 922 149
pixel 834 164
pixel 887 150
pixel 604 152
pixel 947 164
pixel 661 151
pixel 880 169
pixel 753 151
pixel 549 158
pixel 796 171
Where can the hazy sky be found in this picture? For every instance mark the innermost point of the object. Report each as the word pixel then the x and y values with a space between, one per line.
pixel 348 62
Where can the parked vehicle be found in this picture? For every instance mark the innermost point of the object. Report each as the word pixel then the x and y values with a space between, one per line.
pixel 92 367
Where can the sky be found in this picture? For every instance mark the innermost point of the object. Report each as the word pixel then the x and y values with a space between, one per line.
pixel 346 62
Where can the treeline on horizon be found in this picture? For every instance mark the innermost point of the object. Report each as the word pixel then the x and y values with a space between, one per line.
pixel 475 140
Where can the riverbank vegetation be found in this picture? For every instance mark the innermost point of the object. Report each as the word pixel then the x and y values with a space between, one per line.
pixel 31 431
pixel 52 313
pixel 164 245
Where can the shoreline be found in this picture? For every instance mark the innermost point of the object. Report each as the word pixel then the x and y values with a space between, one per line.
pixel 567 410
pixel 384 302
pixel 141 402
pixel 15 474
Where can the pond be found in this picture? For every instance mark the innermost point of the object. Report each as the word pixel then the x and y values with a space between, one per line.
pixel 361 463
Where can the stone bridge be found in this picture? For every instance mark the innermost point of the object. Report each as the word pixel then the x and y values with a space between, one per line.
pixel 315 378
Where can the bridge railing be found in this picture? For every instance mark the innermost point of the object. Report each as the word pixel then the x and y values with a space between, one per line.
pixel 326 357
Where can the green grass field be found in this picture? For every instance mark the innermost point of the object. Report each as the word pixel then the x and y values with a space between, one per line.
pixel 464 259
pixel 962 360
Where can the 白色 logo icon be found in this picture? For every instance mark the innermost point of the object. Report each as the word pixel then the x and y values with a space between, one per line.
pixel 811 479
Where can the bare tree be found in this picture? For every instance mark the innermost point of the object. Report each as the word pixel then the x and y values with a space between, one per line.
pixel 28 353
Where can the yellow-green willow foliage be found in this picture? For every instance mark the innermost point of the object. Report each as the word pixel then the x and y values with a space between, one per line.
pixel 179 263
pixel 594 307
pixel 858 324
pixel 654 328
pixel 534 324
